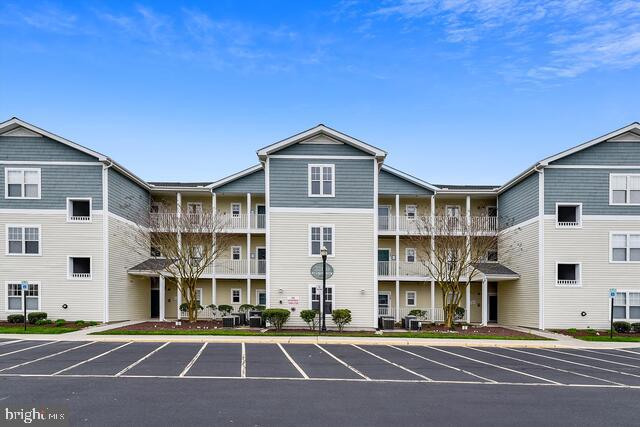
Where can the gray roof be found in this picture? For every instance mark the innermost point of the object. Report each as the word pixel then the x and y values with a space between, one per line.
pixel 152 264
pixel 180 184
pixel 495 269
pixel 466 187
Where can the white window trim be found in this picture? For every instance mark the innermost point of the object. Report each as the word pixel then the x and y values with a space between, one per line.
pixel 579 280
pixel 415 299
pixel 6 295
pixel 627 175
pixel 6 183
pixel 388 294
pixel 189 204
pixel 415 210
pixel 258 292
pixel 446 211
pixel 239 208
pixel 240 250
pixel 620 291
pixel 319 288
pixel 231 295
pixel 333 179
pixel 406 255
pixel 199 290
pixel 69 274
pixel 23 226
pixel 333 241
pixel 627 233
pixel 579 215
pixel 73 199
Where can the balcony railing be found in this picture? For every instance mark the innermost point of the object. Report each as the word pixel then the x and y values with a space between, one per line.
pixel 231 267
pixel 406 269
pixel 565 282
pixel 258 267
pixel 568 224
pixel 77 218
pixel 228 223
pixel 430 315
pixel 209 313
pixel 441 225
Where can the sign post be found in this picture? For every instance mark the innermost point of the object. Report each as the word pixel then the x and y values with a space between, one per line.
pixel 612 296
pixel 24 286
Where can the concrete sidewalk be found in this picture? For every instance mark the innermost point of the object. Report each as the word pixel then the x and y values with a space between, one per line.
pixel 559 341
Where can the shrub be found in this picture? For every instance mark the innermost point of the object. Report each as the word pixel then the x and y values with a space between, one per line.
pixel 244 308
pixel 260 307
pixel 341 317
pixel 185 307
pixel 572 330
pixel 92 323
pixel 418 313
pixel 635 327
pixel 79 322
pixel 225 309
pixel 276 316
pixel 35 316
pixel 621 327
pixel 15 318
pixel 60 322
pixel 212 306
pixel 310 317
pixel 41 322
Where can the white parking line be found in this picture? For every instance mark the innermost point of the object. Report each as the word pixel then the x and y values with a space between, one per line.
pixel 46 357
pixel 443 364
pixel 342 362
pixel 637 358
pixel 497 366
pixel 243 362
pixel 592 358
pixel 547 366
pixel 190 364
pixel 628 351
pixel 91 359
pixel 293 362
pixel 10 342
pixel 393 363
pixel 25 349
pixel 142 359
pixel 574 363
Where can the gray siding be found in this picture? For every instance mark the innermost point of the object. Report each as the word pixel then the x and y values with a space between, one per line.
pixel 253 183
pixel 605 153
pixel 58 182
pixel 39 149
pixel 126 198
pixel 322 150
pixel 520 202
pixel 289 184
pixel 389 183
pixel 587 186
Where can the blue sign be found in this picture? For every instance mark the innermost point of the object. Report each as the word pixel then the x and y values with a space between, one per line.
pixel 613 293
pixel 25 285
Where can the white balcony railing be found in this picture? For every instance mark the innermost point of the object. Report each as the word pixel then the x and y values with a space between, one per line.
pixel 442 224
pixel 231 267
pixel 564 282
pixel 229 223
pixel 568 224
pixel 258 267
pixel 430 315
pixel 386 311
pixel 81 275
pixel 76 218
pixel 407 269
pixel 209 313
pixel 386 223
pixel 386 268
pixel 258 221
pixel 234 222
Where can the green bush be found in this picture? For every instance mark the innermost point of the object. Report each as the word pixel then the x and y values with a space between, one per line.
pixel 79 322
pixel 572 330
pixel 260 307
pixel 15 318
pixel 341 317
pixel 635 327
pixel 310 317
pixel 245 308
pixel 35 316
pixel 418 313
pixel 92 323
pixel 185 307
pixel 276 316
pixel 41 322
pixel 212 306
pixel 60 322
pixel 225 309
pixel 622 327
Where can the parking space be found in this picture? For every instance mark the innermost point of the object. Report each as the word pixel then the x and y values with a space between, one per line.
pixel 551 367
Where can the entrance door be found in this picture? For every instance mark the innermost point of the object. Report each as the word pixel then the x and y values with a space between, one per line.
pixel 493 308
pixel 383 262
pixel 261 211
pixel 261 255
pixel 383 217
pixel 155 297
pixel 383 303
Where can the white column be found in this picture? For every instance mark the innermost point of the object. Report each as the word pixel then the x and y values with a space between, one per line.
pixel 179 215
pixel 215 223
pixel 250 217
pixel 163 298
pixel 178 301
pixel 433 249
pixel 397 261
pixel 485 299
pixel 467 311
pixel 433 299
pixel 397 298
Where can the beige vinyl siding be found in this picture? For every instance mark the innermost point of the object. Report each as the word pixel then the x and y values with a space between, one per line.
pixel 518 299
pixel 353 262
pixel 590 246
pixel 59 239
pixel 223 290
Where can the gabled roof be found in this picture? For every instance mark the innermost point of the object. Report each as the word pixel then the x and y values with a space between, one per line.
pixel 15 123
pixel 237 175
pixel 494 270
pixel 410 178
pixel 318 130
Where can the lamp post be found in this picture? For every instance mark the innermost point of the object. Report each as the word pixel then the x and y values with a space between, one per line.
pixel 323 252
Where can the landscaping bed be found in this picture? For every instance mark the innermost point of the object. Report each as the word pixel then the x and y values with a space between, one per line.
pixel 600 335
pixel 59 328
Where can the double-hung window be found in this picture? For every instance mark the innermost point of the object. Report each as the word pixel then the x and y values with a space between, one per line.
pixel 625 247
pixel 236 296
pixel 624 189
pixel 626 305
pixel 411 298
pixel 15 297
pixel 236 252
pixel 321 235
pixel 321 180
pixel 23 239
pixel 410 254
pixel 22 183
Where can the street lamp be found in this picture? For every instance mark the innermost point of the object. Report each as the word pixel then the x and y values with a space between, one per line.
pixel 323 252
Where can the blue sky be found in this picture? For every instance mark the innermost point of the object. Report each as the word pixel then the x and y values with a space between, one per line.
pixel 456 91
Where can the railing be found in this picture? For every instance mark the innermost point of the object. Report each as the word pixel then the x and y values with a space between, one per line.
pixel 234 222
pixel 209 313
pixel 77 218
pixel 258 266
pixel 231 267
pixel 169 221
pixel 430 315
pixel 564 282
pixel 407 269
pixel 386 223
pixel 568 224
pixel 386 311
pixel 484 223
pixel 81 275
pixel 441 225
pixel 258 221
pixel 386 268
pixel 411 225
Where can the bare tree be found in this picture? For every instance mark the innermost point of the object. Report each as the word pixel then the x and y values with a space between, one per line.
pixel 453 249
pixel 190 244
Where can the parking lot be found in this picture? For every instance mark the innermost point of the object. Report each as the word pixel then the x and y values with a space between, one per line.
pixel 310 362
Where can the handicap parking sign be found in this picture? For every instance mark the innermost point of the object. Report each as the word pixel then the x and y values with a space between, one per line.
pixel 613 293
pixel 25 285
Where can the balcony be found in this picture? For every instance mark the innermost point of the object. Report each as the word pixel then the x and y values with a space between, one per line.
pixel 442 224
pixel 227 223
pixel 407 270
pixel 237 268
pixel 430 315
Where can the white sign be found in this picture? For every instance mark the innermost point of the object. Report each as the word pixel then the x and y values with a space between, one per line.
pixel 25 285
pixel 293 300
pixel 613 293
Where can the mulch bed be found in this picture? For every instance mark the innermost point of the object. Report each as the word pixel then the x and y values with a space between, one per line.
pixel 475 330
pixel 593 332
pixel 185 325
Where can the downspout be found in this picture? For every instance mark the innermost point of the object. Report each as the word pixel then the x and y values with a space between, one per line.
pixel 105 234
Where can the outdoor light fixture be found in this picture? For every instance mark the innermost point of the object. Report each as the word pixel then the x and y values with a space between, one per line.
pixel 280 290
pixel 323 253
pixel 362 291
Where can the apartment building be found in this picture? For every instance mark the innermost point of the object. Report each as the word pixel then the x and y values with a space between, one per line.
pixel 573 218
